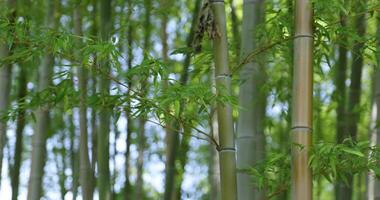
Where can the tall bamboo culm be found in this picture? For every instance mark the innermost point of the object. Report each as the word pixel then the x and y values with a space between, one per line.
pixel 224 111
pixel 302 97
pixel 86 174
pixel 250 139
pixel 9 9
pixel 42 113
pixel 373 185
pixel 377 94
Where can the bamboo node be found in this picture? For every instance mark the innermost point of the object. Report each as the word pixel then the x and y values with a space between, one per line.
pixel 223 76
pixel 252 2
pixel 302 128
pixel 226 149
pixel 304 36
pixel 246 137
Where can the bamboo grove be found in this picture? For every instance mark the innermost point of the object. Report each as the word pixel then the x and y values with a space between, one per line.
pixel 203 99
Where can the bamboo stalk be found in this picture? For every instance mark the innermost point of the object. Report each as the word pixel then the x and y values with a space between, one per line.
pixel 377 99
pixel 5 78
pixel 373 184
pixel 103 181
pixel 42 114
pixel 250 139
pixel 224 111
pixel 86 174
pixel 127 185
pixel 302 101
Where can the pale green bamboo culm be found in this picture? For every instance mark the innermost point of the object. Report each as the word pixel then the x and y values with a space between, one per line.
pixel 86 174
pixel 42 114
pixel 302 98
pixel 252 101
pixel 373 191
pixel 377 95
pixel 224 111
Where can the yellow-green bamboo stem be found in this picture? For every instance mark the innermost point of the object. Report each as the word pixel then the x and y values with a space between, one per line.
pixel 302 101
pixel 224 111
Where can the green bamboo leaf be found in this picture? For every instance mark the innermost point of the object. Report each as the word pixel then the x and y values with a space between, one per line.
pixel 353 152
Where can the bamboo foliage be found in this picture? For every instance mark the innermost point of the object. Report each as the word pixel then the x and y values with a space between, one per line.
pixel 302 101
pixel 224 112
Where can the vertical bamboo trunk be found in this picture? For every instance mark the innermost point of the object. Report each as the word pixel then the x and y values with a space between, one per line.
pixel 182 158
pixel 9 8
pixel 172 137
pixel 85 171
pixel 42 116
pixel 93 78
pixel 139 193
pixel 356 73
pixel 20 121
pixel 285 140
pixel 74 160
pixel 60 160
pixel 103 181
pixel 252 100
pixel 235 28
pixel 141 138
pixel 373 191
pixel 318 133
pixel 184 143
pixel 214 171
pixel 20 124
pixel 340 83
pixel 127 185
pixel 113 160
pixel 377 100
pixel 340 78
pixel 225 122
pixel 353 111
pixel 302 101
